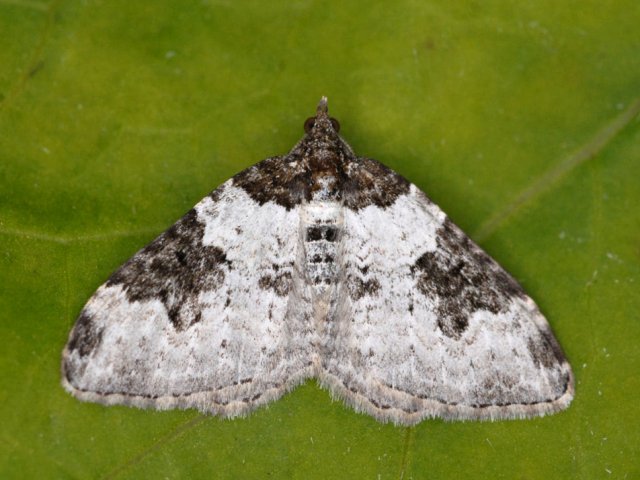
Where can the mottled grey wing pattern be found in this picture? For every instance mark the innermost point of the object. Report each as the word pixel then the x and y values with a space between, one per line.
pixel 318 264
pixel 435 327
pixel 188 323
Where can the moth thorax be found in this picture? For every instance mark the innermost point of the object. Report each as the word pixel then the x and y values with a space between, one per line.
pixel 325 188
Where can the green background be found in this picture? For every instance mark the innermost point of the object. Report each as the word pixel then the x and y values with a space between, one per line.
pixel 520 119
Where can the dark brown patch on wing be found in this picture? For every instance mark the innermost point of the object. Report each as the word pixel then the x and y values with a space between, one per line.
pixel 545 350
pixel 541 352
pixel 358 287
pixel 553 343
pixel 86 336
pixel 462 279
pixel 174 268
pixel 217 193
pixel 281 180
pixel 280 283
pixel 369 182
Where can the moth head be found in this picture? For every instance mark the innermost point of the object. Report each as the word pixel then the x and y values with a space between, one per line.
pixel 322 120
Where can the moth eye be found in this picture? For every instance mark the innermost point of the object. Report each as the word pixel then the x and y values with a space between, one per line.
pixel 309 123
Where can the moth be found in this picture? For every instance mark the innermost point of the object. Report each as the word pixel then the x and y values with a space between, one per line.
pixel 317 264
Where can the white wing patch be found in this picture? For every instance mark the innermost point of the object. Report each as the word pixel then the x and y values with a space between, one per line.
pixel 236 355
pixel 318 264
pixel 401 358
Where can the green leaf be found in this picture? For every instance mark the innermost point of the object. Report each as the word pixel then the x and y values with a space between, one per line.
pixel 519 118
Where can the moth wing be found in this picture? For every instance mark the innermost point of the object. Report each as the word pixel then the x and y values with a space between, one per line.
pixel 428 325
pixel 203 317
